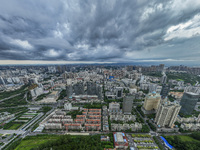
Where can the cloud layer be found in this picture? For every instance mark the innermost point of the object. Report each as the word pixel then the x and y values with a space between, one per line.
pixel 93 30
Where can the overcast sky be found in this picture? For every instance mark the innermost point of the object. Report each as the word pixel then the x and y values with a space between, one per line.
pixel 100 30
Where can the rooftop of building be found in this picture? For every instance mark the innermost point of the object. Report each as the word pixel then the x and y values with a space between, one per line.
pixel 119 137
pixel 54 92
pixel 191 93
pixel 179 94
pixel 153 95
pixel 73 124
pixel 166 102
pixel 93 125
pixel 93 120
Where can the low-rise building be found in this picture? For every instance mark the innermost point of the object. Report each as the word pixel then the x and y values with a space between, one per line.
pixel 80 116
pixel 94 117
pixel 121 127
pixel 93 121
pixel 191 126
pixel 124 118
pixel 114 108
pixel 105 138
pixel 120 140
pixel 53 126
pixel 187 120
pixel 89 127
pixel 81 121
pixel 73 126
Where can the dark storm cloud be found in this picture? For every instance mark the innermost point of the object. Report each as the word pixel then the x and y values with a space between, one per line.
pixel 91 29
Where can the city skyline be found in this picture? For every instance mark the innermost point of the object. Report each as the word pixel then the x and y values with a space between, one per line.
pixel 107 31
pixel 121 104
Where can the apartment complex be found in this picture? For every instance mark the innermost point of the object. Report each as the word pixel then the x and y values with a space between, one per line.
pixel 188 102
pixel 127 104
pixel 167 113
pixel 114 108
pixel 151 103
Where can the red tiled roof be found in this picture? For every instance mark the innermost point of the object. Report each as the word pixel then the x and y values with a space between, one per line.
pixel 93 120
pixel 96 125
pixel 124 137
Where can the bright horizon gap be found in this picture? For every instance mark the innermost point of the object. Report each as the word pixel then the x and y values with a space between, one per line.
pixel 23 62
pixel 38 62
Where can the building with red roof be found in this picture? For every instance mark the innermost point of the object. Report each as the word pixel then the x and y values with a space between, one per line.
pixel 120 140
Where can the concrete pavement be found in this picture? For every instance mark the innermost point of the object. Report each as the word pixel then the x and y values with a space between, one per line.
pixel 11 131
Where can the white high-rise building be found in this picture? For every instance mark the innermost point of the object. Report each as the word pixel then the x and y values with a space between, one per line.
pixel 167 113
pixel 68 106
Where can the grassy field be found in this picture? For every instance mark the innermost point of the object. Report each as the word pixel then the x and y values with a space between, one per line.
pixel 184 142
pixel 31 142
pixel 185 138
pixel 6 94
pixel 68 142
pixel 13 110
pixel 15 101
pixel 15 126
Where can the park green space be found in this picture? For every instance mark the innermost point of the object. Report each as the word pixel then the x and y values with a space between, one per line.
pixel 33 141
pixel 185 142
pixel 186 77
pixel 11 93
pixel 69 142
pixel 16 123
pixel 185 138
pixel 15 101
pixel 14 110
pixel 15 126
pixel 188 138
pixel 12 126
